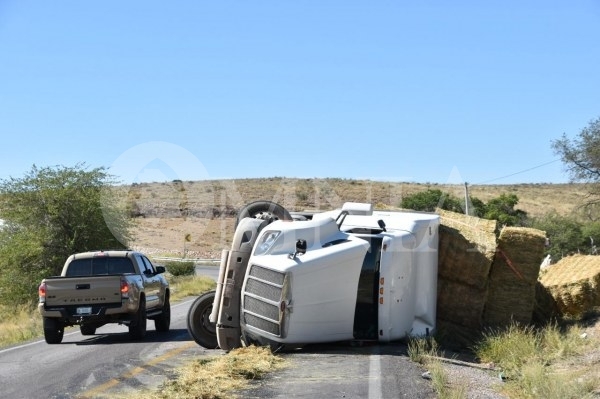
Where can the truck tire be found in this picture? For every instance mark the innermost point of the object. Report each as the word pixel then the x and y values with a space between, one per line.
pixel 199 326
pixel 162 322
pixel 87 329
pixel 53 330
pixel 137 328
pixel 263 210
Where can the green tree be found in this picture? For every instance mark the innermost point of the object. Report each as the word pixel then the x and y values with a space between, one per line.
pixel 429 200
pixel 590 233
pixel 564 233
pixel 581 157
pixel 503 210
pixel 478 207
pixel 50 214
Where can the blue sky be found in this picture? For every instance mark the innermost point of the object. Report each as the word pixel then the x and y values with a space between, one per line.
pixel 428 91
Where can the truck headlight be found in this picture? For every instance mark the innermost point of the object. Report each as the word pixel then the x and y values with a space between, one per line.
pixel 266 242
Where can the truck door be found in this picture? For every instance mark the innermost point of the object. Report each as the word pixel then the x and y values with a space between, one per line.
pixel 151 282
pixel 365 316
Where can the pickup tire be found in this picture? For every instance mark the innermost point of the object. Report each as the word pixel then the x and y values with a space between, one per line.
pixel 137 328
pixel 162 322
pixel 87 329
pixel 199 326
pixel 53 330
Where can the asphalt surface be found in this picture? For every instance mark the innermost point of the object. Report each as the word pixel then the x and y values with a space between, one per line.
pixel 346 370
pixel 109 363
pixel 90 366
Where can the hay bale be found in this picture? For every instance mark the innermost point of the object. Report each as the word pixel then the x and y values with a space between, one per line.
pixel 466 248
pixel 546 309
pixel 454 336
pixel 460 304
pixel 513 276
pixel 574 282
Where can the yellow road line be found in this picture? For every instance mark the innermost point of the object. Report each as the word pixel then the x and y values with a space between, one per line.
pixel 100 389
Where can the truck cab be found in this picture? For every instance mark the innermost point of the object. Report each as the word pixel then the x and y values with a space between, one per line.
pixel 348 274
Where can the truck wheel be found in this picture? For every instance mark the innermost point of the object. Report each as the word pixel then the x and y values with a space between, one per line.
pixel 137 328
pixel 263 210
pixel 163 321
pixel 199 326
pixel 87 329
pixel 53 330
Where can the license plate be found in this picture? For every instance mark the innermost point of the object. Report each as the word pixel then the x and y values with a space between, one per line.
pixel 84 310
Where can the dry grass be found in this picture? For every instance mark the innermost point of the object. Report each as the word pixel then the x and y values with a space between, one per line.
pixel 547 363
pixel 425 352
pixel 19 324
pixel 184 286
pixel 218 376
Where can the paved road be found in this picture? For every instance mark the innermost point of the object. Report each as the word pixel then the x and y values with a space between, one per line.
pixel 84 366
pixel 88 367
pixel 346 371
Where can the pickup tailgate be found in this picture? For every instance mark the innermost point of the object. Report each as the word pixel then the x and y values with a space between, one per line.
pixel 91 290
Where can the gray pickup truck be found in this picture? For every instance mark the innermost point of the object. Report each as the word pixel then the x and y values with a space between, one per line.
pixel 100 287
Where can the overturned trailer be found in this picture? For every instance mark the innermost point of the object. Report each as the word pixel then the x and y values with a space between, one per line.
pixel 292 279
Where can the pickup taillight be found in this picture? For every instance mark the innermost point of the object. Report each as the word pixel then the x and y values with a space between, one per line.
pixel 124 288
pixel 42 292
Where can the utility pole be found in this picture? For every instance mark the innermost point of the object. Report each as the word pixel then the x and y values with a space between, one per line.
pixel 466 199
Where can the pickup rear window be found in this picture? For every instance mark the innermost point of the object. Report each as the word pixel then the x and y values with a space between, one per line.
pixel 99 265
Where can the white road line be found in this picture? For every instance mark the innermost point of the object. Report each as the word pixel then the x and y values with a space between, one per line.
pixel 71 333
pixel 32 343
pixel 375 374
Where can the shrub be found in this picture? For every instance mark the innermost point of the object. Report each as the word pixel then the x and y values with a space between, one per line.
pixel 187 268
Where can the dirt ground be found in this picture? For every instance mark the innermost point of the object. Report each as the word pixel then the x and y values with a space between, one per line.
pixel 192 236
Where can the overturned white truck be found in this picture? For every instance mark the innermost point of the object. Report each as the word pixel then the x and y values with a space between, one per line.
pixel 292 279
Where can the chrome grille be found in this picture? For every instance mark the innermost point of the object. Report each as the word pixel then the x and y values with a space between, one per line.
pixel 261 298
pixel 262 308
pixel 262 324
pixel 264 290
pixel 267 275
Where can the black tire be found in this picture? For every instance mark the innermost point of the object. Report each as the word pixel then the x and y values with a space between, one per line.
pixel 162 322
pixel 199 326
pixel 53 330
pixel 137 328
pixel 266 210
pixel 87 329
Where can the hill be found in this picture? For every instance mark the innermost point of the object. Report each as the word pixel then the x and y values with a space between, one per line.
pixel 198 216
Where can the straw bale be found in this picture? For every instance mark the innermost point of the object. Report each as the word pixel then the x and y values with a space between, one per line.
pixel 574 282
pixel 455 336
pixel 513 276
pixel 466 248
pixel 460 304
pixel 545 308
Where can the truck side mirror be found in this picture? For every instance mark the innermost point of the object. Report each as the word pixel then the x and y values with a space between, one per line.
pixel 300 248
pixel 160 269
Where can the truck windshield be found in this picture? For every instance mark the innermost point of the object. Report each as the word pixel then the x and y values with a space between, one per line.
pixel 96 266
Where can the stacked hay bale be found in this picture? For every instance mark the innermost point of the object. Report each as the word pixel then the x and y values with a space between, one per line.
pixel 466 250
pixel 513 277
pixel 574 283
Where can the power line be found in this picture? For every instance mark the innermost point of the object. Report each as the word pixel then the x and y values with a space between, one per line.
pixel 522 171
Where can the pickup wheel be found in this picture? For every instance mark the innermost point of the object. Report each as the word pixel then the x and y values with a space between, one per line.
pixel 53 330
pixel 87 329
pixel 163 321
pixel 199 326
pixel 266 210
pixel 137 328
